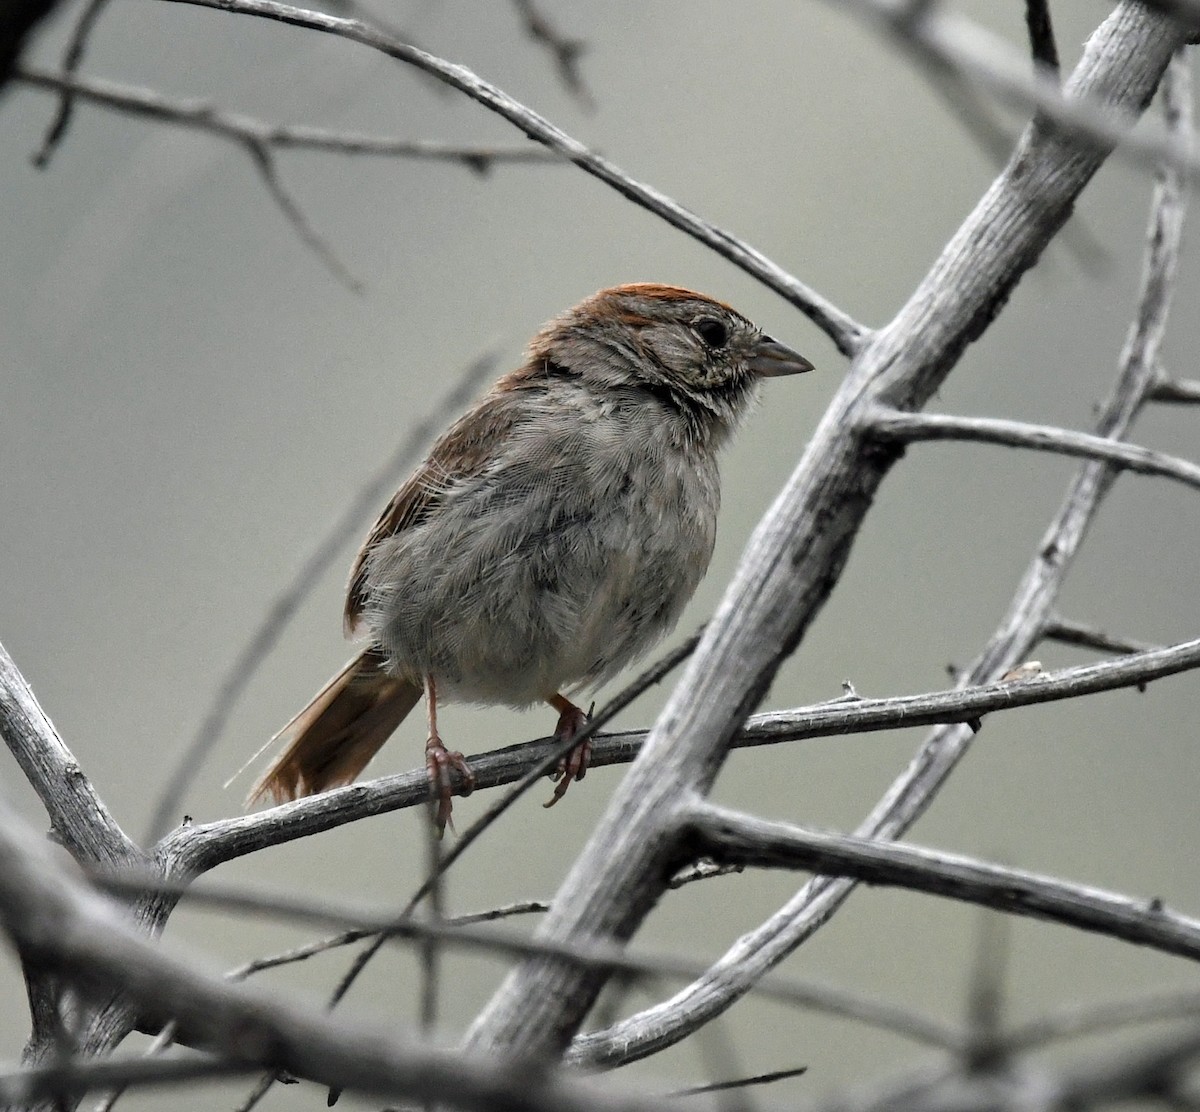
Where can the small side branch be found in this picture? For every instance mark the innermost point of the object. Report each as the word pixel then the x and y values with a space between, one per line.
pixel 1176 391
pixel 202 115
pixel 1062 629
pixel 565 51
pixel 72 60
pixel 730 836
pixel 1040 28
pixel 893 424
pixel 264 162
pixel 260 140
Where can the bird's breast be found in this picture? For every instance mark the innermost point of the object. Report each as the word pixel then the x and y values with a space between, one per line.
pixel 573 552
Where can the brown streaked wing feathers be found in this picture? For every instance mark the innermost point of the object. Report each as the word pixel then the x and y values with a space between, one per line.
pixel 465 449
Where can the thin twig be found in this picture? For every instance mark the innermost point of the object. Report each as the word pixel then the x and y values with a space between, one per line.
pixel 1040 28
pixel 256 138
pixel 264 161
pixel 465 933
pixel 892 424
pixel 740 1083
pixel 72 60
pixel 1069 632
pixel 203 115
pixel 845 332
pixel 345 938
pixel 565 51
pixel 349 524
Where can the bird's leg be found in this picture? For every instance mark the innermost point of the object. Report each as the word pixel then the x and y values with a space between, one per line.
pixel 439 761
pixel 574 766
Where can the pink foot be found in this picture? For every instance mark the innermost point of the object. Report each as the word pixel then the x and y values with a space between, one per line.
pixel 574 766
pixel 441 763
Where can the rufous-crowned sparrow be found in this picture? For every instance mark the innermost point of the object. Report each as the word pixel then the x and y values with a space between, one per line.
pixel 553 533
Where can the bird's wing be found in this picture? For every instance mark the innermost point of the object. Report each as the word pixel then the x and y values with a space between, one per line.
pixel 463 451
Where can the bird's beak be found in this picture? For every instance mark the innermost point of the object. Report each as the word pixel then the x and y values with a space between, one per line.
pixel 772 359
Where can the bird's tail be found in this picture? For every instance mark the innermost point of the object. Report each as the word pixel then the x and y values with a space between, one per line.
pixel 333 738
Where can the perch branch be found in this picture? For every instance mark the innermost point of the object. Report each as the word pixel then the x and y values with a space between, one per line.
pixel 190 850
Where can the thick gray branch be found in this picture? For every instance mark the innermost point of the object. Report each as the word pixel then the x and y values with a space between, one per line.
pixel 78 933
pixel 78 815
pixel 798 551
pixel 1013 640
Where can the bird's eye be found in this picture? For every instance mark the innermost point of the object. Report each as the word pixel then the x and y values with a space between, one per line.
pixel 712 331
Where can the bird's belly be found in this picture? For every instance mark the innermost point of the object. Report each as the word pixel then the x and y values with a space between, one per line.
pixel 507 605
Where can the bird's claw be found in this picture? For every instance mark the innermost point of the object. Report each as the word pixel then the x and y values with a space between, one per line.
pixel 574 765
pixel 441 764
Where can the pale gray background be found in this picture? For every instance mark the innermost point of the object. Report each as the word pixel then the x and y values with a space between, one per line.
pixel 189 399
